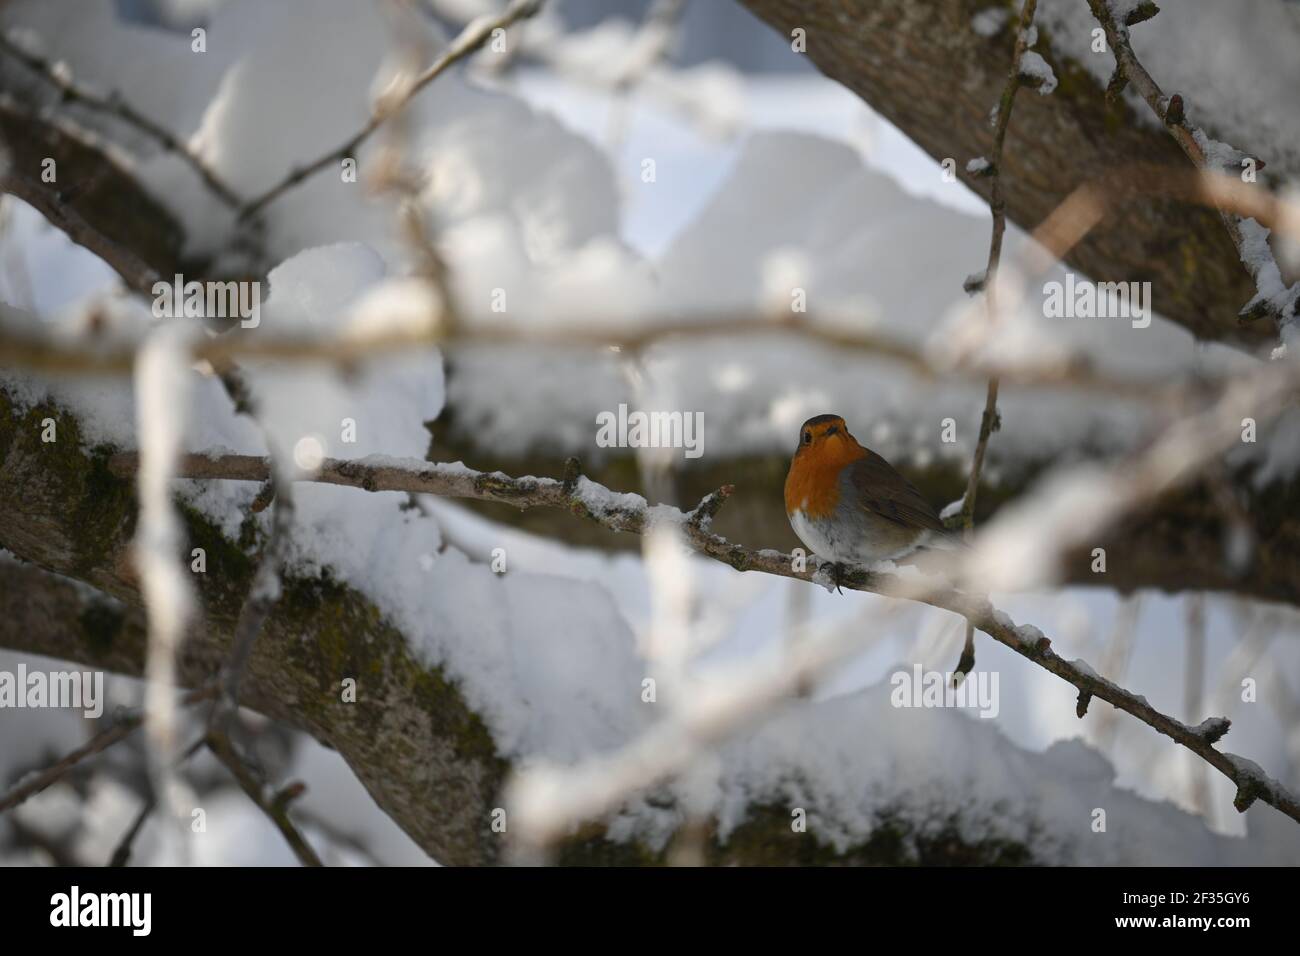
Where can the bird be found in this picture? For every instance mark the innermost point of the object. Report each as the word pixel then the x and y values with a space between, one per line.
pixel 850 506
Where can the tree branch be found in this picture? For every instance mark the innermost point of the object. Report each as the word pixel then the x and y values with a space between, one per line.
pixel 276 809
pixel 933 77
pixel 121 728
pixel 989 421
pixel 630 513
pixel 94 202
pixel 1170 112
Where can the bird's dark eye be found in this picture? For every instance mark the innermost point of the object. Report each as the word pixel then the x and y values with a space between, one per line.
pixel 807 438
pixel 832 430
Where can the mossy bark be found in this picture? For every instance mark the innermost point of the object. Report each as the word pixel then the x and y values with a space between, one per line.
pixel 424 755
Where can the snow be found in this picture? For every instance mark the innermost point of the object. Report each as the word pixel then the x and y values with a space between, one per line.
pixel 1211 727
pixel 1030 636
pixel 1258 258
pixel 1033 66
pixel 298 94
pixel 1218 156
pixel 548 653
pixel 1084 668
pixel 1045 798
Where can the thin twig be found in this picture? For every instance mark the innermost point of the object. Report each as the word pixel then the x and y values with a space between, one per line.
pixel 652 42
pixel 122 728
pixel 122 855
pixel 134 271
pixel 1064 228
pixel 1115 660
pixel 276 808
pixel 990 421
pixel 265 589
pixel 470 39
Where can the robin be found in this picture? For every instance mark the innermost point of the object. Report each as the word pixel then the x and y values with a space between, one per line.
pixel 849 505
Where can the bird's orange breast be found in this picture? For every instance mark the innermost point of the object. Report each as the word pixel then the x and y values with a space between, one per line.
pixel 813 483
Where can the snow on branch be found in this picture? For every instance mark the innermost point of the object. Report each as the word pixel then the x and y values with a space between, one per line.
pixel 631 513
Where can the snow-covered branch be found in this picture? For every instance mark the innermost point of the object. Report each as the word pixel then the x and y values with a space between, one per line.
pixel 631 513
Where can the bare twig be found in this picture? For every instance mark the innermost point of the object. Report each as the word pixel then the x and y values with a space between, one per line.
pixel 653 40
pixel 122 728
pixel 474 36
pixel 265 589
pixel 44 353
pixel 1115 660
pixel 646 67
pixel 990 421
pixel 1194 693
pixel 276 807
pixel 122 854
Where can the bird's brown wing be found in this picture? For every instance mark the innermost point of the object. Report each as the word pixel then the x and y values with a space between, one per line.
pixel 884 492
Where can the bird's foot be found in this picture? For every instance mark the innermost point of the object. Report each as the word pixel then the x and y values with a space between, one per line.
pixel 832 575
pixel 837 575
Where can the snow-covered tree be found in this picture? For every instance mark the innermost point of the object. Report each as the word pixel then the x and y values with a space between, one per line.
pixel 336 344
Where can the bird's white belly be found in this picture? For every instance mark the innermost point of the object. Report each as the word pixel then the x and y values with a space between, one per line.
pixel 811 533
pixel 856 545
